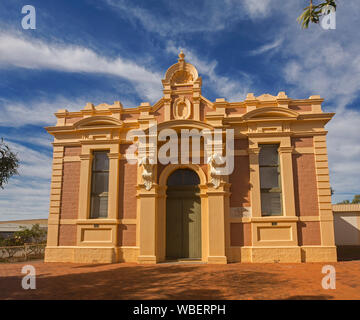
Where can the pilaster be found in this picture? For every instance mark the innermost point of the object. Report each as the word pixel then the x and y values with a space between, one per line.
pixel 113 199
pixel 323 190
pixel 255 195
pixel 85 183
pixel 147 224
pixel 287 181
pixel 217 200
pixel 55 197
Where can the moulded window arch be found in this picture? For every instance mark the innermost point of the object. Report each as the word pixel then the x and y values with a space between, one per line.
pixel 183 177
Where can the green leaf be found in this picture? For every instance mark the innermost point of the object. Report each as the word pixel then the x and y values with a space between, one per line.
pixel 313 13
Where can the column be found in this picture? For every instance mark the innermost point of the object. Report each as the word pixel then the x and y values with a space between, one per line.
pixel 113 200
pixel 255 195
pixel 85 183
pixel 324 193
pixel 216 222
pixel 147 224
pixel 55 197
pixel 287 181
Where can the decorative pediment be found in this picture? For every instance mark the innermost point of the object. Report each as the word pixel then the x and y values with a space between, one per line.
pixel 270 112
pixel 97 121
pixel 266 97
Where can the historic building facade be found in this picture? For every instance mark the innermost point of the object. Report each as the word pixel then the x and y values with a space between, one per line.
pixel 275 206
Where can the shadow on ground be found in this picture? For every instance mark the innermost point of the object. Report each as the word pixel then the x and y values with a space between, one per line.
pixel 147 282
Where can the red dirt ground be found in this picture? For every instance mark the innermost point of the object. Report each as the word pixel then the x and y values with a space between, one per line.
pixel 180 281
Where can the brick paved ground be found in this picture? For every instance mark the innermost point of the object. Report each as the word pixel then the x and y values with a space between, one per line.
pixel 180 281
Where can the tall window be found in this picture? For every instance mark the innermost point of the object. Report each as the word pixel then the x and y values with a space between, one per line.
pixel 270 182
pixel 99 185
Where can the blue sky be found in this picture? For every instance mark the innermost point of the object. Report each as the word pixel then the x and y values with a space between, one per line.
pixel 108 50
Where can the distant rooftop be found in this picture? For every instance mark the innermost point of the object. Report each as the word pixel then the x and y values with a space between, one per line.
pixel 346 207
pixel 28 221
pixel 14 225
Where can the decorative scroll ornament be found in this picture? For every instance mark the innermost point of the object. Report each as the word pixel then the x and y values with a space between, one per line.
pixel 182 108
pixel 182 77
pixel 181 73
pixel 147 173
pixel 215 160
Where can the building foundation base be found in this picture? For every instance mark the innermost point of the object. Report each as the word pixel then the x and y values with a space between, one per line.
pixel 249 254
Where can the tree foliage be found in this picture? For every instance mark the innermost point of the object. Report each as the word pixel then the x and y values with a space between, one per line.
pixel 25 235
pixel 313 12
pixel 355 200
pixel 9 163
pixel 30 242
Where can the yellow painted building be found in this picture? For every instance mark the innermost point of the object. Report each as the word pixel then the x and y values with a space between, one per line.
pixel 275 206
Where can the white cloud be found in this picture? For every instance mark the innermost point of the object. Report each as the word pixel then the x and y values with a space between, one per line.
pixel 36 112
pixel 35 54
pixel 185 17
pixel 34 164
pixel 344 154
pixel 25 199
pixel 257 8
pixel 42 140
pixel 273 46
pixel 27 195
pixel 326 62
pixel 41 111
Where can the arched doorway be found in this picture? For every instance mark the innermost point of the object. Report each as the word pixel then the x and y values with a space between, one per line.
pixel 183 215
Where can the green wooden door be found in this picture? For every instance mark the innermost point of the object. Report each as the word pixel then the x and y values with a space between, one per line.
pixel 174 228
pixel 183 222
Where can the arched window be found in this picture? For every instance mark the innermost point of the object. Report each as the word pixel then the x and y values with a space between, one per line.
pixel 183 177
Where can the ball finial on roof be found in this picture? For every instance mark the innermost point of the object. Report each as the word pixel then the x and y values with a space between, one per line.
pixel 181 55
